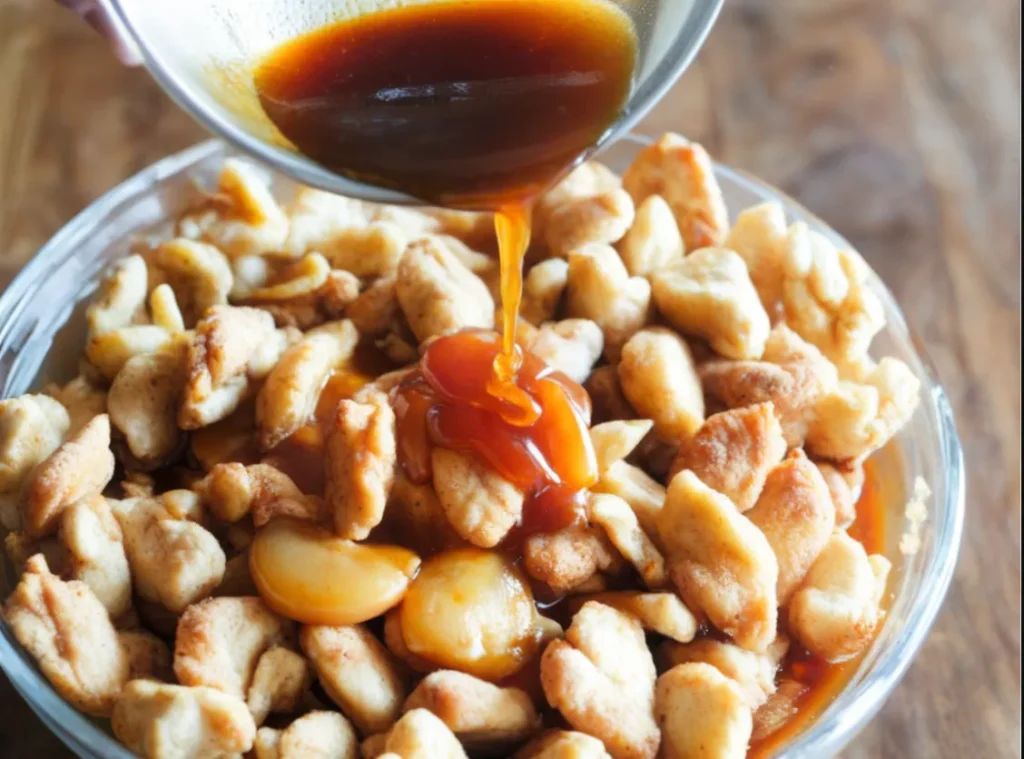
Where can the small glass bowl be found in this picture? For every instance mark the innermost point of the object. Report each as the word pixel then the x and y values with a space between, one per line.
pixel 42 333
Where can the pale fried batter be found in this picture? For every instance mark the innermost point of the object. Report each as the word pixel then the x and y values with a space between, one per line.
pixel 67 631
pixel 481 505
pixel 31 428
pixel 279 681
pixel 702 714
pixel 95 549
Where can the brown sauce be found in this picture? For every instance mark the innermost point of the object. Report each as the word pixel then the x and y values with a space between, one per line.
pixel 476 106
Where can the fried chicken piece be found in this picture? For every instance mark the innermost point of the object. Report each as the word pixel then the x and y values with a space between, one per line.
pixel 543 287
pixel 572 346
pixel 566 558
pixel 663 613
pixel 615 440
pixel 683 174
pixel 653 242
pixel 65 628
pixel 121 299
pixel 317 735
pixel 219 641
pixel 160 721
pixel 722 563
pixel 602 219
pixel 174 562
pixel 486 718
pixel 31 429
pixel 231 491
pixel 754 673
pixel 601 678
pixel 733 451
pixel 95 552
pixel 563 744
pixel 709 294
pixel 600 289
pixel 480 504
pixel 644 494
pixel 278 683
pixel 702 714
pixel 660 381
pixel 837 610
pixel 79 468
pixel 148 656
pixel 417 735
pixel 82 399
pixel 619 522
pixel 357 672
pixel 796 515
pixel 360 465
pixel 845 484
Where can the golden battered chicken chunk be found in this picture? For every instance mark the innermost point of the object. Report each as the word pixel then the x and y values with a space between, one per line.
pixel 160 721
pixel 317 735
pixel 563 744
pixel 567 558
pixel 662 613
pixel 357 672
pixel 360 463
pixel 485 718
pixel 753 672
pixel 621 526
pixel 67 631
pixel 219 641
pixel 702 714
pixel 81 467
pixel 682 173
pixel 148 656
pixel 95 552
pixel 733 451
pixel 653 242
pixel 417 735
pixel 481 505
pixel 278 683
pixel 31 428
pixel 837 610
pixel 721 562
pixel 571 346
pixel 543 288
pixel 601 678
pixel 796 515
pixel 602 219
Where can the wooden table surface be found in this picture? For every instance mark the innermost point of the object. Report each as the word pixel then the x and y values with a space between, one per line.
pixel 896 120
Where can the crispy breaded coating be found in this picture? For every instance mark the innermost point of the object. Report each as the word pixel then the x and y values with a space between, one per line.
pixel 31 428
pixel 615 440
pixel 294 282
pixel 143 403
pixel 708 294
pixel 66 630
pixel 796 515
pixel 160 721
pixel 231 491
pixel 148 656
pixel 360 463
pixel 417 735
pixel 415 518
pixel 772 252
pixel 227 340
pixel 855 420
pixel 174 562
pixel 438 294
pixel 837 610
pixel 79 468
pixel 644 494
pixel 198 273
pixel 721 562
pixel 480 504
pixel 241 217
pixel 566 558
pixel 754 673
pixel 357 672
pixel 660 381
pixel 121 299
pixel 682 173
pixel 163 309
pixel 653 242
pixel 95 550
pixel 602 219
pixel 792 374
pixel 484 717
pixel 376 308
pixel 219 641
pixel 619 522
pixel 278 683
pixel 106 354
pixel 543 287
pixel 600 289
pixel 572 346
pixel 370 251
pixel 289 395
pixel 702 714
pixel 832 305
pixel 81 398
pixel 663 613
pixel 563 744
pixel 317 735
pixel 845 483
pixel 733 451
pixel 601 678
pixel 19 548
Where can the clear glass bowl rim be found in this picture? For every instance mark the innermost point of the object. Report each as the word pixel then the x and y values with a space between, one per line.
pixel 877 676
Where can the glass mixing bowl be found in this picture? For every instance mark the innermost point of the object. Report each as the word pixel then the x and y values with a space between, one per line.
pixel 42 333
pixel 202 53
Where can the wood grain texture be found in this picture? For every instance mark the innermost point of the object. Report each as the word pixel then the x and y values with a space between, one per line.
pixel 895 120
